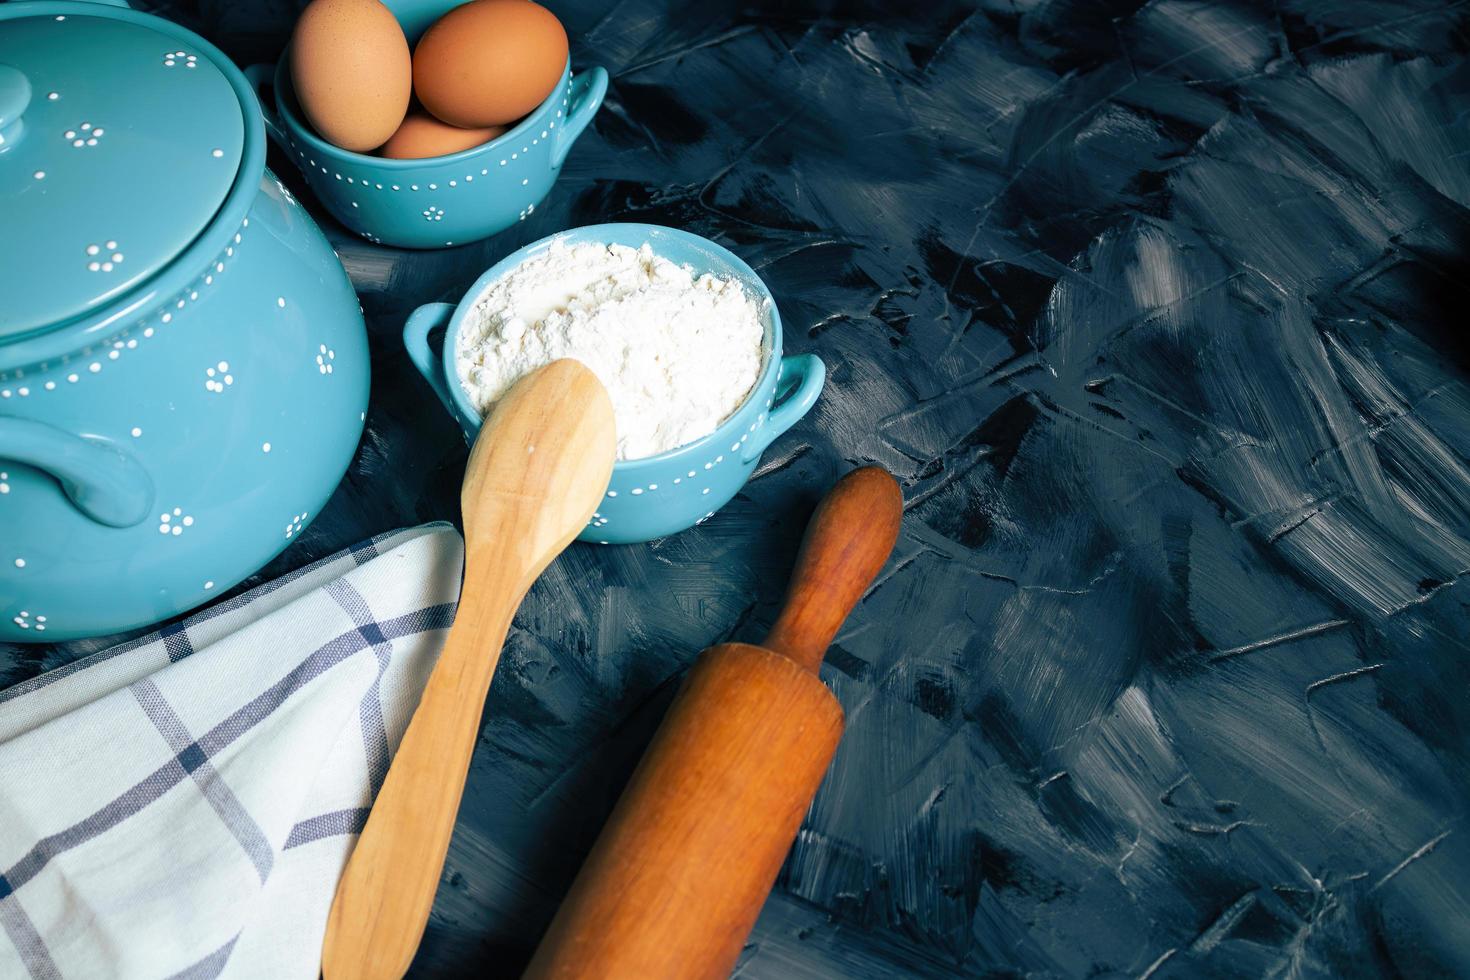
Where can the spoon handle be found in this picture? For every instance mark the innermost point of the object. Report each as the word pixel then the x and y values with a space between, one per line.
pixel 383 899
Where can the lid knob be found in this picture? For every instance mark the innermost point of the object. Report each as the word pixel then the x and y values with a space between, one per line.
pixel 15 95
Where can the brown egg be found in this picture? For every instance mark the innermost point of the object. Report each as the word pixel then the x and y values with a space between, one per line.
pixel 489 62
pixel 422 135
pixel 351 70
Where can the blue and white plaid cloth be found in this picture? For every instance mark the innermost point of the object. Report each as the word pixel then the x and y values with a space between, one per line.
pixel 182 805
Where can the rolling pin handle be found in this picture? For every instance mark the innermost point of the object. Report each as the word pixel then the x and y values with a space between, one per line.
pixel 849 538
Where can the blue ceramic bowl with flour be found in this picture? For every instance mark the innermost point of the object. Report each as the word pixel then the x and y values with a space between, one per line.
pixel 657 495
pixel 436 201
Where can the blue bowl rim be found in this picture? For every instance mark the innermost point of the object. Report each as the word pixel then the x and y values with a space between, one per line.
pixel 650 233
pixel 285 99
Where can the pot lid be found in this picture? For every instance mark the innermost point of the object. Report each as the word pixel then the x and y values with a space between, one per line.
pixel 118 143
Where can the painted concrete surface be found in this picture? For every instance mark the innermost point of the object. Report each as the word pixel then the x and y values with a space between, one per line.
pixel 1154 309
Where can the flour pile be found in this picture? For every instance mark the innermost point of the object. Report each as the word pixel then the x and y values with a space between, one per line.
pixel 677 353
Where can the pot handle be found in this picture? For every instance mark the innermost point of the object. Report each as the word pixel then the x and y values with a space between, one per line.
pixel 422 322
pixel 259 76
pixel 588 90
pixel 797 388
pixel 103 482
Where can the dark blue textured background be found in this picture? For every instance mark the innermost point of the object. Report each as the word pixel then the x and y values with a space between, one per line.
pixel 1156 310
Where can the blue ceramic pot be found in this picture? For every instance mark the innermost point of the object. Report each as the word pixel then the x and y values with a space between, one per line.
pixel 437 201
pixel 658 495
pixel 183 363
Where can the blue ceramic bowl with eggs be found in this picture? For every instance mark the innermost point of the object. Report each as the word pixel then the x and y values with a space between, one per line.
pixel 435 202
pixel 657 495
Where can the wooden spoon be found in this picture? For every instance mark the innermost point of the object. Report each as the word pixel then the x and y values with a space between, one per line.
pixel 536 474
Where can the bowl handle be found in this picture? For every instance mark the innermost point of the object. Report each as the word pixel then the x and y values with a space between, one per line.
pixel 797 388
pixel 259 76
pixel 422 322
pixel 588 90
pixel 104 483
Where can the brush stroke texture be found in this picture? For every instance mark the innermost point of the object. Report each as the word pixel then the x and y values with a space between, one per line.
pixel 1155 310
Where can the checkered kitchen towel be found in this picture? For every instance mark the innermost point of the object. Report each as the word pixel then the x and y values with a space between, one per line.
pixel 183 804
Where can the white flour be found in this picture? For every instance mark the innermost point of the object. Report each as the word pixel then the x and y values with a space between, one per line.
pixel 677 354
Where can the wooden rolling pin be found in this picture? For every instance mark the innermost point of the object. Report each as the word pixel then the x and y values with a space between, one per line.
pixel 675 882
